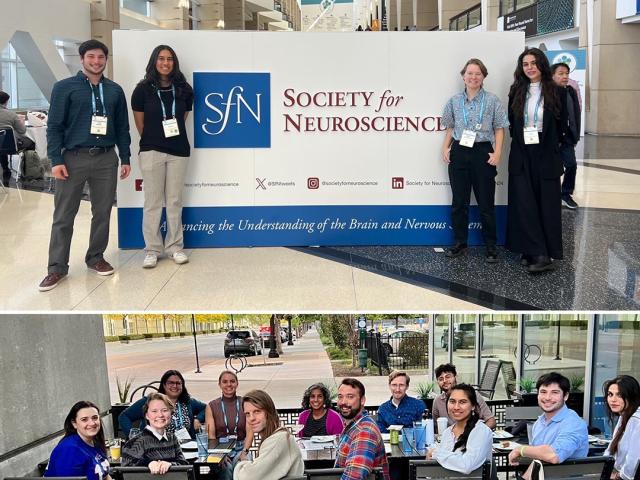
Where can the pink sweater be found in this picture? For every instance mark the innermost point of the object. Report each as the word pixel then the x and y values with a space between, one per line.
pixel 333 421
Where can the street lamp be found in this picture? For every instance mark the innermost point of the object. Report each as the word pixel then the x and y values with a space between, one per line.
pixel 195 341
pixel 558 342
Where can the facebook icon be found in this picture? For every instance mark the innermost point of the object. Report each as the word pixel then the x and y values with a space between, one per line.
pixel 232 110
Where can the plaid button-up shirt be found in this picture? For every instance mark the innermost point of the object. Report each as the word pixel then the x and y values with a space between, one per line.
pixel 361 449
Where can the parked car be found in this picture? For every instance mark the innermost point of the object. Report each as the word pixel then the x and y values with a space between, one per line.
pixel 242 342
pixel 391 342
pixel 464 336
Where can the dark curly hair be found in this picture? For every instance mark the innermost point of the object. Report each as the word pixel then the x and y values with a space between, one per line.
pixel 520 86
pixel 306 405
pixel 152 77
pixel 473 419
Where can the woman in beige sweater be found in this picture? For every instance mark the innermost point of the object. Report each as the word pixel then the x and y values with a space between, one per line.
pixel 278 454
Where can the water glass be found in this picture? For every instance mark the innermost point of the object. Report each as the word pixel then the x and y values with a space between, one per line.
pixel 420 436
pixel 408 440
pixel 114 449
pixel 443 423
pixel 202 440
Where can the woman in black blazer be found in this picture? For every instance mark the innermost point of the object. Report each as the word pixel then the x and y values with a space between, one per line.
pixel 537 121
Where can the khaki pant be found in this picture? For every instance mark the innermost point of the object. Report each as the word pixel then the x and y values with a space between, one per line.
pixel 163 182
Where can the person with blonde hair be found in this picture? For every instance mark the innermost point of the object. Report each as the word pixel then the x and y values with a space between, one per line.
pixel 155 447
pixel 278 454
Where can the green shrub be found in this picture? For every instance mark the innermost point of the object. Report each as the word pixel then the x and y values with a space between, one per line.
pixel 413 350
pixel 336 353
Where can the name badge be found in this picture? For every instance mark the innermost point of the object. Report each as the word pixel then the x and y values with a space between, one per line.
pixel 170 128
pixel 98 125
pixel 468 138
pixel 531 136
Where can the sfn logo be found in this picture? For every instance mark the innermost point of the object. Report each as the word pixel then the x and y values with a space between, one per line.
pixel 232 110
pixel 397 183
pixel 313 183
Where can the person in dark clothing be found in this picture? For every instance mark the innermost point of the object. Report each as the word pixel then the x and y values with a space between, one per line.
pixel 569 97
pixel 537 119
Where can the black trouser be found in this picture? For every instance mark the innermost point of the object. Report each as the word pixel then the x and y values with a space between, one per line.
pixel 568 152
pixel 468 168
pixel 4 163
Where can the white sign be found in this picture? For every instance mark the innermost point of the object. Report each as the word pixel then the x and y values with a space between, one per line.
pixel 316 139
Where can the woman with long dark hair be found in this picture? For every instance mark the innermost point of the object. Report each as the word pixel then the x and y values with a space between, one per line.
pixel 187 415
pixel 317 416
pixel 160 103
pixel 82 451
pixel 623 400
pixel 538 122
pixel 278 454
pixel 466 444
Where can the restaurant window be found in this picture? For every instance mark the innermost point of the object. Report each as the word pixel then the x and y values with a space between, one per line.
pixel 616 352
pixel 440 330
pixel 138 6
pixel 499 338
pixel 508 6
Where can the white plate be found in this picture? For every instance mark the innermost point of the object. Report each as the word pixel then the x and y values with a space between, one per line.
pixel 192 445
pixel 190 455
pixel 510 446
pixel 323 438
pixel 502 434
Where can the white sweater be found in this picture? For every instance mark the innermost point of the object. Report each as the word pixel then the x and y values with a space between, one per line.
pixel 628 454
pixel 479 450
pixel 279 457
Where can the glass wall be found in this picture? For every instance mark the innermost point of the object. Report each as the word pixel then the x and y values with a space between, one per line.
pixel 440 332
pixel 499 340
pixel 616 352
pixel 16 80
pixel 464 347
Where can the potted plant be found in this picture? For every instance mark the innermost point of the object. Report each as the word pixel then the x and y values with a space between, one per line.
pixel 527 396
pixel 124 387
pixel 576 394
pixel 425 392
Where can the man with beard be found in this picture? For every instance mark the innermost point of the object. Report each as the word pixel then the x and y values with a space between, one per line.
pixel 87 119
pixel 361 448
pixel 446 376
pixel 559 433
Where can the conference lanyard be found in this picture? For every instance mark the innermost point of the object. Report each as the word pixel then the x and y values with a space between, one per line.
pixel 173 105
pixel 535 112
pixel 93 100
pixel 464 111
pixel 224 412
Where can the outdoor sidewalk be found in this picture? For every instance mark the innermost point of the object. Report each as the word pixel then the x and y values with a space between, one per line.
pixel 287 377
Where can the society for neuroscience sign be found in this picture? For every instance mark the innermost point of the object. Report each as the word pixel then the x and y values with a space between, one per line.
pixel 316 139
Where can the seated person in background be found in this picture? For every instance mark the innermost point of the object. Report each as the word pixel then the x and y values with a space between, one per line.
pixel 188 412
pixel 446 375
pixel 400 409
pixel 226 420
pixel 16 122
pixel 467 444
pixel 278 454
pixel 318 417
pixel 82 451
pixel 559 433
pixel 154 447
pixel 623 399
pixel 361 448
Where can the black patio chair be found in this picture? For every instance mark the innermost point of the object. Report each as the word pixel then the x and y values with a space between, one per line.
pixel 430 469
pixel 176 472
pixel 589 467
pixel 487 386
pixel 336 474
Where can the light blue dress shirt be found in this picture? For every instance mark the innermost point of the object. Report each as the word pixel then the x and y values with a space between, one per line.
pixel 494 115
pixel 478 451
pixel 566 433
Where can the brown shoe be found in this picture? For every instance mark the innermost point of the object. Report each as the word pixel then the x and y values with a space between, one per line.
pixel 51 281
pixel 102 268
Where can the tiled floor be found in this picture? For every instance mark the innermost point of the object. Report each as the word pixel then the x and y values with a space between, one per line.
pixel 601 270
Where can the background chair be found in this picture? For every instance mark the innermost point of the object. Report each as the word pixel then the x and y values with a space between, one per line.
pixel 336 474
pixel 590 467
pixel 489 378
pixel 8 147
pixel 430 469
pixel 176 472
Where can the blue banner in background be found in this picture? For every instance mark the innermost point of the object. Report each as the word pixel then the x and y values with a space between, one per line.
pixel 312 225
pixel 576 59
